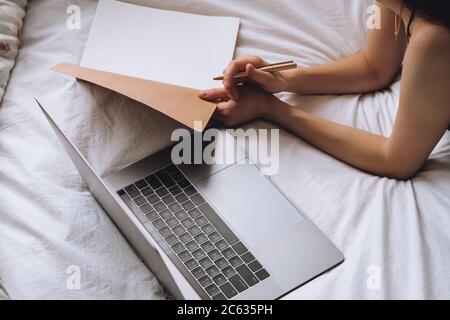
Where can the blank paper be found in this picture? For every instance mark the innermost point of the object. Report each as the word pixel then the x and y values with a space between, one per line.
pixel 166 46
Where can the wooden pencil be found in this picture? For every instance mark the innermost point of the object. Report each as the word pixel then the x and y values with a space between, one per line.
pixel 275 67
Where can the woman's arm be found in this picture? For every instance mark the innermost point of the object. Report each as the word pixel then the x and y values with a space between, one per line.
pixel 370 70
pixel 422 119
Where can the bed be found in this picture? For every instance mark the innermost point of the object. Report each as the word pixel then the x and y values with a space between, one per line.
pixel 56 242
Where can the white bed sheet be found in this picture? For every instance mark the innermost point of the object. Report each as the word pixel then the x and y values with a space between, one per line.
pixel 49 221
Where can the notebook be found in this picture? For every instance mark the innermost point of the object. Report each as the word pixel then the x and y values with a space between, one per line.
pixel 158 57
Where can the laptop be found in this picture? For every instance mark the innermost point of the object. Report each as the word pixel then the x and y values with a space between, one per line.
pixel 209 231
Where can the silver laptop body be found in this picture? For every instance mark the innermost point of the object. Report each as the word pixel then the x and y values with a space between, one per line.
pixel 210 231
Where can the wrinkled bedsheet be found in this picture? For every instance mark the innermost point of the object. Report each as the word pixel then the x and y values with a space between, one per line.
pixel 57 242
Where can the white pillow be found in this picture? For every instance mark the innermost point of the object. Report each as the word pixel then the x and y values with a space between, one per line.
pixel 11 15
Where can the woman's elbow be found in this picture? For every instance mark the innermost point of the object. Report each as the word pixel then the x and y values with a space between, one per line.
pixel 403 175
pixel 400 170
pixel 394 164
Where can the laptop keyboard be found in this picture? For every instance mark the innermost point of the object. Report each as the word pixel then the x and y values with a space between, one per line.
pixel 207 248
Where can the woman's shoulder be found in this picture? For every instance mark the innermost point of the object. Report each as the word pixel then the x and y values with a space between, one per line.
pixel 430 36
pixel 429 46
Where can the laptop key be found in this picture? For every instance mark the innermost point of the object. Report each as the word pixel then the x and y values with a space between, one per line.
pixel 146 208
pixel 172 222
pixel 235 261
pixel 132 191
pixel 247 275
pixel 255 266
pixel 185 238
pixel 187 223
pixel 162 192
pixel 165 231
pixel 151 216
pixel 194 230
pixel 147 191
pixel 221 244
pixel 184 183
pixel 175 190
pixel 239 248
pixel 153 182
pixel 158 223
pixel 238 283
pixel 188 205
pixel 190 191
pixel 165 178
pixel 153 198
pixel 228 290
pixel 219 296
pixel 214 254
pixel 212 271
pixel 247 257
pixel 221 263
pixel 208 228
pixel 199 254
pixel 212 290
pixel 195 213
pixel 201 221
pixel 191 246
pixel 197 199
pixel 159 206
pixel 200 238
pixel 184 255
pixel 228 253
pixel 181 197
pixel 228 271
pixel 262 274
pixel 198 273
pixel 181 215
pixel 177 176
pixel 177 247
pixel 205 281
pixel 207 246
pixel 218 223
pixel 168 199
pixel 178 230
pixel 205 262
pixel 191 264
pixel 174 207
pixel 214 237
pixel 171 239
pixel 219 279
pixel 166 214
pixel 141 184
pixel 139 200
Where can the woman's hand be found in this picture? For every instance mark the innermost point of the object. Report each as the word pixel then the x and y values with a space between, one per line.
pixel 269 82
pixel 253 103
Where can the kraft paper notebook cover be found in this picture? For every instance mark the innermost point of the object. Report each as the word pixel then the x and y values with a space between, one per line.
pixel 157 57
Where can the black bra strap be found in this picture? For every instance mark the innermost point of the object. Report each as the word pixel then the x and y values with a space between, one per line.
pixel 411 19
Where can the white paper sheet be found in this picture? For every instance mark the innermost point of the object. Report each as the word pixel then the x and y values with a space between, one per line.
pixel 166 46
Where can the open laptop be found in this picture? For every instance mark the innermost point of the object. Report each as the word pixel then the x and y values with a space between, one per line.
pixel 210 231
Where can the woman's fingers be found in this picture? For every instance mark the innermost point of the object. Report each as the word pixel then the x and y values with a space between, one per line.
pixel 234 68
pixel 260 77
pixel 214 94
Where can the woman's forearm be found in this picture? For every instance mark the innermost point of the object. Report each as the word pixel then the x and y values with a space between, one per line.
pixel 354 74
pixel 358 148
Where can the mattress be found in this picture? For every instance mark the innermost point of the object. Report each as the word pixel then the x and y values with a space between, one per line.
pixel 57 242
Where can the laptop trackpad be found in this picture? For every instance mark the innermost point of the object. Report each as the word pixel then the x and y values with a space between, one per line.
pixel 249 203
